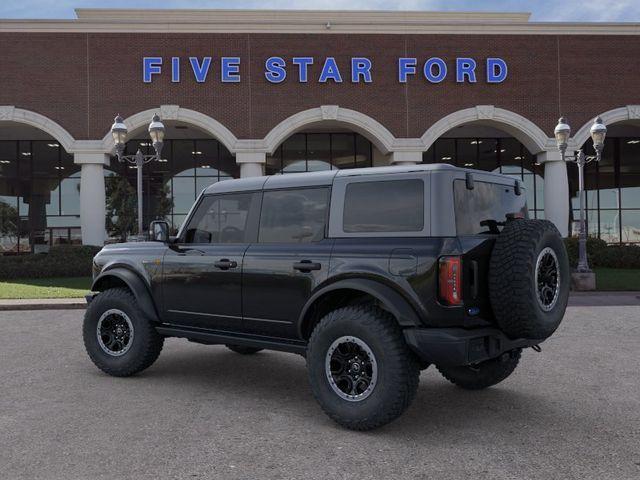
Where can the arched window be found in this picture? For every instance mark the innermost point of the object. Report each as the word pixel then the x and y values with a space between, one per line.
pixel 39 194
pixel 504 155
pixel 171 185
pixel 309 152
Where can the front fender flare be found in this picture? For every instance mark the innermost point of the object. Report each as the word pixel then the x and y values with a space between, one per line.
pixel 135 284
pixel 399 307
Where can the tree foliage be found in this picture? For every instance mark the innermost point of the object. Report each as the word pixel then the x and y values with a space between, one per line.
pixel 8 220
pixel 122 205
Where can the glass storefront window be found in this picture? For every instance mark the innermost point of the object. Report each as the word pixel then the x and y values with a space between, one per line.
pixel 467 152
pixel 630 222
pixel 70 196
pixel 172 183
pixel 487 158
pixel 613 190
pixel 502 155
pixel 445 151
pixel 364 152
pixel 318 152
pixel 630 173
pixel 306 152
pixel 294 153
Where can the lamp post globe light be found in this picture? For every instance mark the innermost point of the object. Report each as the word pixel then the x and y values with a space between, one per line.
pixel 156 132
pixel 562 133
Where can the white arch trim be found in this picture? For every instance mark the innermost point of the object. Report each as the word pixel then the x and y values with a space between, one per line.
pixel 621 114
pixel 10 113
pixel 531 136
pixel 177 113
pixel 382 138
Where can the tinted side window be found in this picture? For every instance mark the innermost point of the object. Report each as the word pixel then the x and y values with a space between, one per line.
pixel 221 219
pixel 293 216
pixel 386 206
pixel 485 208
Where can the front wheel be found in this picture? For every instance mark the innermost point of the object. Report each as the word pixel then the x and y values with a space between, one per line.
pixel 484 374
pixel 118 337
pixel 362 373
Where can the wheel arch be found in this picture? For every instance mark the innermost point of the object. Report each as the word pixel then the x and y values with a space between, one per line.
pixel 123 277
pixel 331 296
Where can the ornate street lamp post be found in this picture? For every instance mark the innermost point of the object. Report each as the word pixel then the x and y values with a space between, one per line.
pixel 598 132
pixel 156 132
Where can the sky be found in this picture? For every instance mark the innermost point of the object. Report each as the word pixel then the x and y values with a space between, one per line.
pixel 542 10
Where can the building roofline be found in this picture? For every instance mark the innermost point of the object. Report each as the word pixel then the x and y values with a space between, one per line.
pixel 243 15
pixel 310 21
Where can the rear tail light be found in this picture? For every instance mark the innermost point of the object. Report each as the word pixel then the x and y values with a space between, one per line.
pixel 450 280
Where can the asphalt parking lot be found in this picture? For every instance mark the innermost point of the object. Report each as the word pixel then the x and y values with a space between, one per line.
pixel 572 411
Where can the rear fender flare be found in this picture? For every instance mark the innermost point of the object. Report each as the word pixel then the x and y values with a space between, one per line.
pixel 135 284
pixel 399 307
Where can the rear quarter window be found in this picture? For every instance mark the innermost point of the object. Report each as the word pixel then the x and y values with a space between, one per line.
pixel 384 206
pixel 485 208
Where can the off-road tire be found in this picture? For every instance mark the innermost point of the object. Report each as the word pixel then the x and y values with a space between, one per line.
pixel 482 375
pixel 512 279
pixel 398 368
pixel 242 350
pixel 146 344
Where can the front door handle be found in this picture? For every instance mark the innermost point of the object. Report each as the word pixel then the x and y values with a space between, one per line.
pixel 306 266
pixel 225 264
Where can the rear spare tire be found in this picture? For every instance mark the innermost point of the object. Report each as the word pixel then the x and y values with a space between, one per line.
pixel 529 279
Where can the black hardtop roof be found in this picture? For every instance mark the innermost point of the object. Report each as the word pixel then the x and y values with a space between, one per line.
pixel 326 177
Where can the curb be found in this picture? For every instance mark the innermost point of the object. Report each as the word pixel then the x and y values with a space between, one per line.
pixel 43 304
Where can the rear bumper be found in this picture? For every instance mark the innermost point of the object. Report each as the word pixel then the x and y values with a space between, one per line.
pixel 457 346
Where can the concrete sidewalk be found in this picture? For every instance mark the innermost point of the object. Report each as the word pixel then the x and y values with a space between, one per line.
pixel 577 299
pixel 604 299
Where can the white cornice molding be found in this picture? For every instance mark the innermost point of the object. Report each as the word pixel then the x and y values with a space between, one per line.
pixel 294 16
pixel 298 21
pixel 377 133
pixel 10 113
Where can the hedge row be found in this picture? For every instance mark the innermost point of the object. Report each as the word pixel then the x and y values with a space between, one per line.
pixel 599 254
pixel 75 261
pixel 62 261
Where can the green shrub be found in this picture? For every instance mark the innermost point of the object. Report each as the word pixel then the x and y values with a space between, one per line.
pixel 599 254
pixel 62 261
pixel 595 246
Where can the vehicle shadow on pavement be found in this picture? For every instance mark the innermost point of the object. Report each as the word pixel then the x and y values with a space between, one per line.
pixel 278 382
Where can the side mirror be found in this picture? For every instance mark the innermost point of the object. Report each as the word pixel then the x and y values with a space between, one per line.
pixel 159 231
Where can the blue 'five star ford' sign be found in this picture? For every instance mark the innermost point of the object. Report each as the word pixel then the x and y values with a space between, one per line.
pixel 301 69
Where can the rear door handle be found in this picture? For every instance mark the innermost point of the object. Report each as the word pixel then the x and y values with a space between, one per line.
pixel 225 264
pixel 306 266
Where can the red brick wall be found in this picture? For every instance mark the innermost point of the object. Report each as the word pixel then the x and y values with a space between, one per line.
pixel 82 80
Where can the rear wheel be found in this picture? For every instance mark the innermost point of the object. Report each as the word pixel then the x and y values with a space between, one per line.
pixel 484 374
pixel 241 349
pixel 118 337
pixel 362 373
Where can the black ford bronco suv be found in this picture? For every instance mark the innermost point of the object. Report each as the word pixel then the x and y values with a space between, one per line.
pixel 371 274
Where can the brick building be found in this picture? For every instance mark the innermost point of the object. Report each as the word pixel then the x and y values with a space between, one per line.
pixel 266 92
